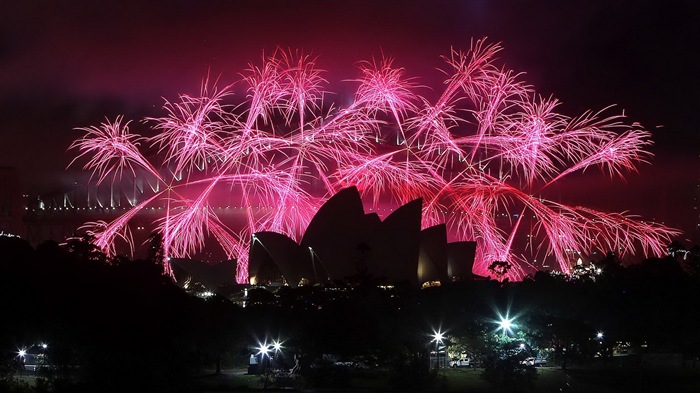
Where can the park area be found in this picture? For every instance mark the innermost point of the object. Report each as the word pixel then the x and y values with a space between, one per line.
pixel 549 379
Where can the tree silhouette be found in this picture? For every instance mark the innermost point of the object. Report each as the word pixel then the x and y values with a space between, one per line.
pixel 500 269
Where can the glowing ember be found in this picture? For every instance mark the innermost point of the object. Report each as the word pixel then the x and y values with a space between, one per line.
pixel 487 147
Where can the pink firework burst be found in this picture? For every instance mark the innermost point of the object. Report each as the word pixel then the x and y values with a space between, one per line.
pixel 481 155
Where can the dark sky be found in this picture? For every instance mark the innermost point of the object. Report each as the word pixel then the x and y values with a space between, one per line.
pixel 70 64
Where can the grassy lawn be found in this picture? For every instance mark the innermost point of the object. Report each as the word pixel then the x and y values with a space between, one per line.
pixel 463 380
pixel 549 379
pixel 638 380
pixel 228 382
pixel 598 380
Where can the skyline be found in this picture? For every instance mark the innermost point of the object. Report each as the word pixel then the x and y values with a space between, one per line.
pixel 71 66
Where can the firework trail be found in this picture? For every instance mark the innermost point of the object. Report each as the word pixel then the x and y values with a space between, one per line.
pixel 487 146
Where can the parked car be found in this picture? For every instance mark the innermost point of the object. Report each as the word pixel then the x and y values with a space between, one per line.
pixel 534 362
pixel 528 362
pixel 454 363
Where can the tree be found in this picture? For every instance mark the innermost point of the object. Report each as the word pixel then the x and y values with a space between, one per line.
pixel 219 325
pixel 500 269
pixel 688 257
pixel 156 252
pixel 504 367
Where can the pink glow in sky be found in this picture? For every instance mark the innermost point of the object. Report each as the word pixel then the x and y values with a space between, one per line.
pixel 68 65
pixel 488 146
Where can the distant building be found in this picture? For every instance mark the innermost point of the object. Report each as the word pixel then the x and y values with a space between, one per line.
pixel 344 243
pixel 200 277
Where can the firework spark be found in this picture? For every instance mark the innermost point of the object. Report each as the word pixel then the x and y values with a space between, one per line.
pixel 487 147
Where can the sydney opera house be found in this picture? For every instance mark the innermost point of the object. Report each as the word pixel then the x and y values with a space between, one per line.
pixel 342 242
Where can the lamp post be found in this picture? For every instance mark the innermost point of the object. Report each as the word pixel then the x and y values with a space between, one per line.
pixel 438 336
pixel 262 351
pixel 277 347
pixel 21 355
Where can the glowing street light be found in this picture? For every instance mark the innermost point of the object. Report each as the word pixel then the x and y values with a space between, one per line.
pixel 599 336
pixel 21 354
pixel 277 346
pixel 506 325
pixel 438 336
pixel 263 349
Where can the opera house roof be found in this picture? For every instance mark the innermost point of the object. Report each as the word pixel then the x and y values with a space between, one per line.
pixel 342 242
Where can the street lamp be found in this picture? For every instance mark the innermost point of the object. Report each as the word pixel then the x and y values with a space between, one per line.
pixel 506 325
pixel 270 350
pixel 263 349
pixel 21 354
pixel 438 336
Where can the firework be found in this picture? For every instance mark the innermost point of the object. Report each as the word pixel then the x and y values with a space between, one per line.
pixel 485 148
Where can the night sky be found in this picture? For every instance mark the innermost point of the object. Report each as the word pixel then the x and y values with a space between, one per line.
pixel 70 64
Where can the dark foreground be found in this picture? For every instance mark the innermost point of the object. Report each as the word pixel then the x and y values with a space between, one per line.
pixel 550 379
